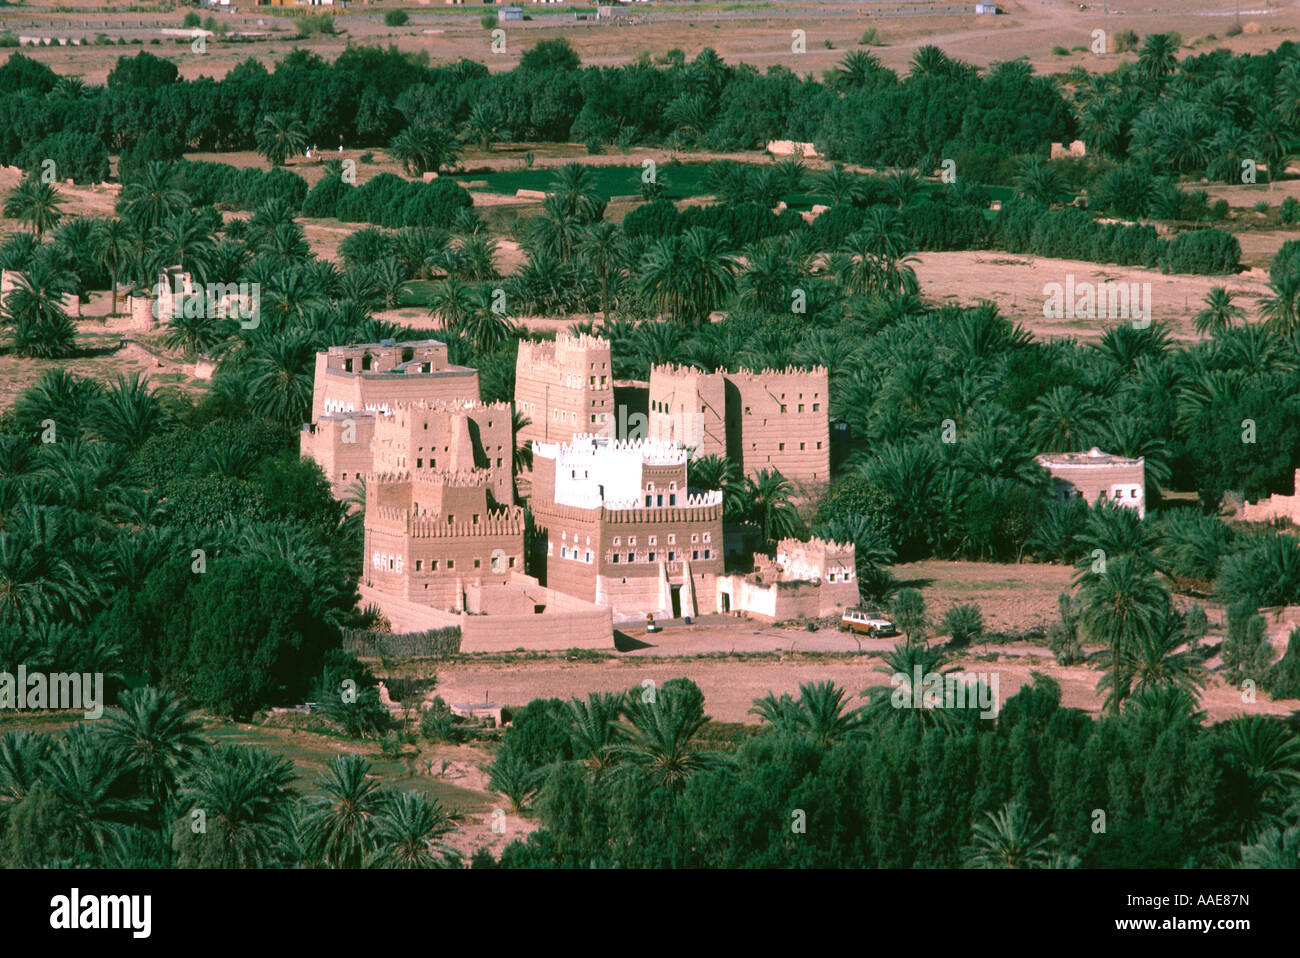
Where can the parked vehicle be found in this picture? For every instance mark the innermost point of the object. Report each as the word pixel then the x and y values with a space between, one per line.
pixel 866 623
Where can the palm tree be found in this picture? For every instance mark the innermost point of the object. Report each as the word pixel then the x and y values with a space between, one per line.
pixel 158 737
pixel 600 246
pixel 688 276
pixel 23 755
pixel 340 827
pixel 84 780
pixel 1280 309
pixel 1219 311
pixel 422 149
pixel 196 335
pixel 511 776
pixel 408 832
pixel 857 67
pixel 1124 607
pixel 769 496
pixel 658 740
pixel 36 204
pixel 128 412
pixel 717 472
pixel 183 239
pixel 595 729
pixel 904 186
pixel 818 714
pixel 838 185
pixel 906 664
pixel 279 136
pixel 279 375
pixel 1158 56
pixel 1273 848
pixel 577 193
pixel 481 124
pixel 245 797
pixel 1009 839
pixel 1064 419
pixel 114 248
pixel 767 281
pixel 34 311
pixel 1270 753
pixel 148 201
pixel 482 325
pixel 930 61
pixel 1040 182
pixel 1149 662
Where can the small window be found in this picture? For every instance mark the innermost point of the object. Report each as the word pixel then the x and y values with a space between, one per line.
pixel 419 564
pixel 451 563
pixel 433 565
pixel 478 563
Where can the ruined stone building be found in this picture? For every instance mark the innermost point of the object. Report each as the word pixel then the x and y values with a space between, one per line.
pixel 773 419
pixel 617 524
pixel 565 388
pixel 1276 506
pixel 1095 475
pixel 804 580
pixel 429 535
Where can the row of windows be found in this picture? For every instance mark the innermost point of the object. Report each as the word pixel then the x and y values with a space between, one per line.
pixel 617 558
pixel 672 539
pixel 802 446
pixel 652 556
pixel 385 562
pixel 433 463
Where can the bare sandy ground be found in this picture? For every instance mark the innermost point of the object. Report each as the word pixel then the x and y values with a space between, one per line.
pixel 730 686
pixel 1015 282
pixel 760 34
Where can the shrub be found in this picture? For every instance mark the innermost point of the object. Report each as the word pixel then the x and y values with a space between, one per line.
pixel 396 18
pixel 1202 252
pixel 963 623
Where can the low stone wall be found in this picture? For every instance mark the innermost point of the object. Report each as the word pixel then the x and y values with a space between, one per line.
pixel 565 623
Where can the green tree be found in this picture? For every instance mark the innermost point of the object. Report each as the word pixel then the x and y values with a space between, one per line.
pixel 35 204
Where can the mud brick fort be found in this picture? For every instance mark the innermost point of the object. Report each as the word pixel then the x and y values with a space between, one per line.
pixel 773 419
pixel 617 529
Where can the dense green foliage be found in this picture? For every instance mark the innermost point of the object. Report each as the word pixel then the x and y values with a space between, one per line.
pixel 829 785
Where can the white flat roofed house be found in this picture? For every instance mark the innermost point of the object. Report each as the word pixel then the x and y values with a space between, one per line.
pixel 1095 475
